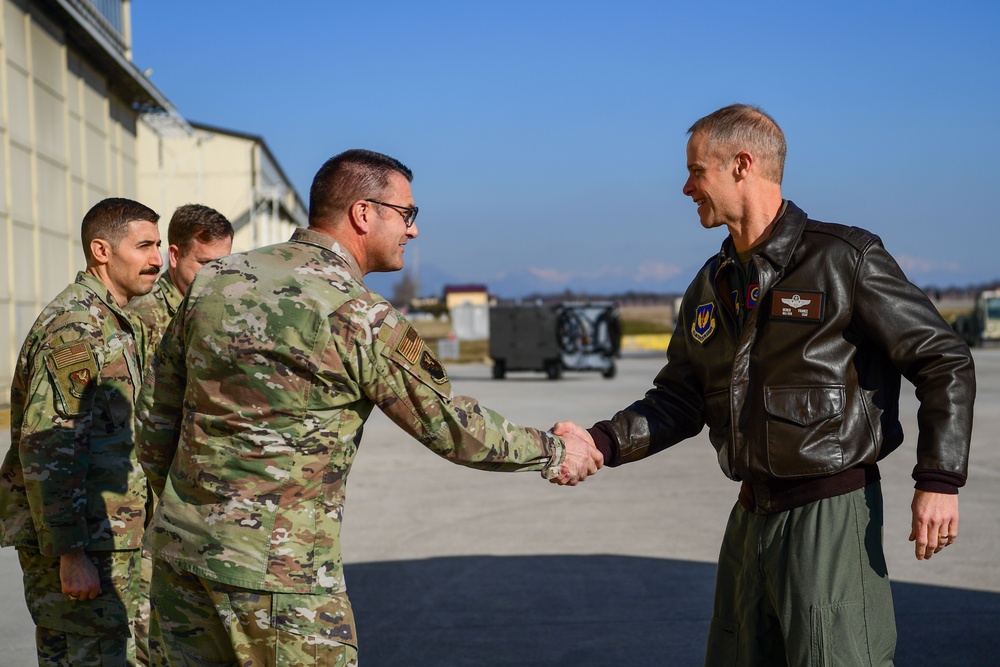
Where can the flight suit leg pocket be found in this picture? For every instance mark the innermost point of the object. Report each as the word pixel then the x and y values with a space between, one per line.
pixel 723 639
pixel 838 635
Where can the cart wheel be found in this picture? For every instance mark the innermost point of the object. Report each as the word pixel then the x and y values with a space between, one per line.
pixel 553 369
pixel 499 369
pixel 610 371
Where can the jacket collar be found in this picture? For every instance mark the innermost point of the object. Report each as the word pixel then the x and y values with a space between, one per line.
pixel 778 248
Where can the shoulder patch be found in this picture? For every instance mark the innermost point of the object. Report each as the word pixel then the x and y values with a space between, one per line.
pixel 409 345
pixel 433 367
pixel 704 322
pixel 73 371
pixel 71 355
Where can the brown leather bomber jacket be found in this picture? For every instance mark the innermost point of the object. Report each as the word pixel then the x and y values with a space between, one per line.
pixel 809 388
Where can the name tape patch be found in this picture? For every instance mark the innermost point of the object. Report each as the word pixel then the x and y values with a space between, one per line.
pixel 798 305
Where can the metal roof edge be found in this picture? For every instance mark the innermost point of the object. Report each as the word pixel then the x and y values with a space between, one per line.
pixel 124 77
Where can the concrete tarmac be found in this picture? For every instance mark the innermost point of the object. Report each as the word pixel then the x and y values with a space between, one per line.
pixel 451 566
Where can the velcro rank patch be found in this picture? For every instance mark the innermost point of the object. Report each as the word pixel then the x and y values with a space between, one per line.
pixel 798 305
pixel 409 345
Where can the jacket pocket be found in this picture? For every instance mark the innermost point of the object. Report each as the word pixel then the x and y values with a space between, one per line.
pixel 803 429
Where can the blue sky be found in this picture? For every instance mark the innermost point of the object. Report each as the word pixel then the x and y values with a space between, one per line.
pixel 547 138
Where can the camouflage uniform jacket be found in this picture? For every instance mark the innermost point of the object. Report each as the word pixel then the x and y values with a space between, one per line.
pixel 281 353
pixel 156 309
pixel 71 479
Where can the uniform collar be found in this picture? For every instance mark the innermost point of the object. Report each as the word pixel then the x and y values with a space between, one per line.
pixel 171 295
pixel 93 284
pixel 312 237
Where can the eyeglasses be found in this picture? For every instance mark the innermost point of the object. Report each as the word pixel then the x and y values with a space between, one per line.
pixel 409 213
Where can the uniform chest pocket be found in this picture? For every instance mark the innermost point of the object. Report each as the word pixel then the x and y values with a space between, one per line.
pixel 803 429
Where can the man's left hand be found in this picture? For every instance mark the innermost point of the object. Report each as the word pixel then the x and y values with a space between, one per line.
pixel 935 522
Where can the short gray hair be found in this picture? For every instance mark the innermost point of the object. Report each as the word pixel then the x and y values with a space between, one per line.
pixel 740 127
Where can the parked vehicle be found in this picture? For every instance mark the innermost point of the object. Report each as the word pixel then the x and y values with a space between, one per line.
pixel 983 323
pixel 567 336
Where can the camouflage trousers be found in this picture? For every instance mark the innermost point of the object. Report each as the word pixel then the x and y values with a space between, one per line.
pixel 82 633
pixel 196 622
pixel 141 625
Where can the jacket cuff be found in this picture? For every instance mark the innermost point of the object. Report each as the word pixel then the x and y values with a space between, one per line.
pixel 604 439
pixel 938 482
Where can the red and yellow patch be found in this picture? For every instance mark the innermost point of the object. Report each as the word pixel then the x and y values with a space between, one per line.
pixel 79 381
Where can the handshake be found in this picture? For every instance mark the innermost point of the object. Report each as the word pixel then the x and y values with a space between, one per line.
pixel 581 460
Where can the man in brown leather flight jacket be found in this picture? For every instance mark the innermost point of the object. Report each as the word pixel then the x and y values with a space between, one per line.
pixel 790 345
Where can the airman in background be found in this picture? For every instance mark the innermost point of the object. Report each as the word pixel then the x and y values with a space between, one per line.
pixel 197 234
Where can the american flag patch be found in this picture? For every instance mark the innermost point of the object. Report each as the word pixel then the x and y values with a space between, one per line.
pixel 410 345
pixel 71 355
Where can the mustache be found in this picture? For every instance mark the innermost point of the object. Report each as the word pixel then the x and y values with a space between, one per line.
pixel 149 272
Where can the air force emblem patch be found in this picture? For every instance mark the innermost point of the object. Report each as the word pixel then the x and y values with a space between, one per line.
pixel 704 322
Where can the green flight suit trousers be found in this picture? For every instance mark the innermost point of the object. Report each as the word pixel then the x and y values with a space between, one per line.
pixel 804 587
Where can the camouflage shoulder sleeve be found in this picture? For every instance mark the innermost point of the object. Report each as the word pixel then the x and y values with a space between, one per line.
pixel 54 440
pixel 407 382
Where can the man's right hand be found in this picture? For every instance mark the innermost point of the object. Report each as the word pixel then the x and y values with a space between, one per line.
pixel 78 576
pixel 582 456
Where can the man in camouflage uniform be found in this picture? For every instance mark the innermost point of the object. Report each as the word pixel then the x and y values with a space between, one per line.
pixel 253 412
pixel 197 235
pixel 72 494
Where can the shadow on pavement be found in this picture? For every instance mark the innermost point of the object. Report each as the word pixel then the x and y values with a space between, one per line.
pixel 604 610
